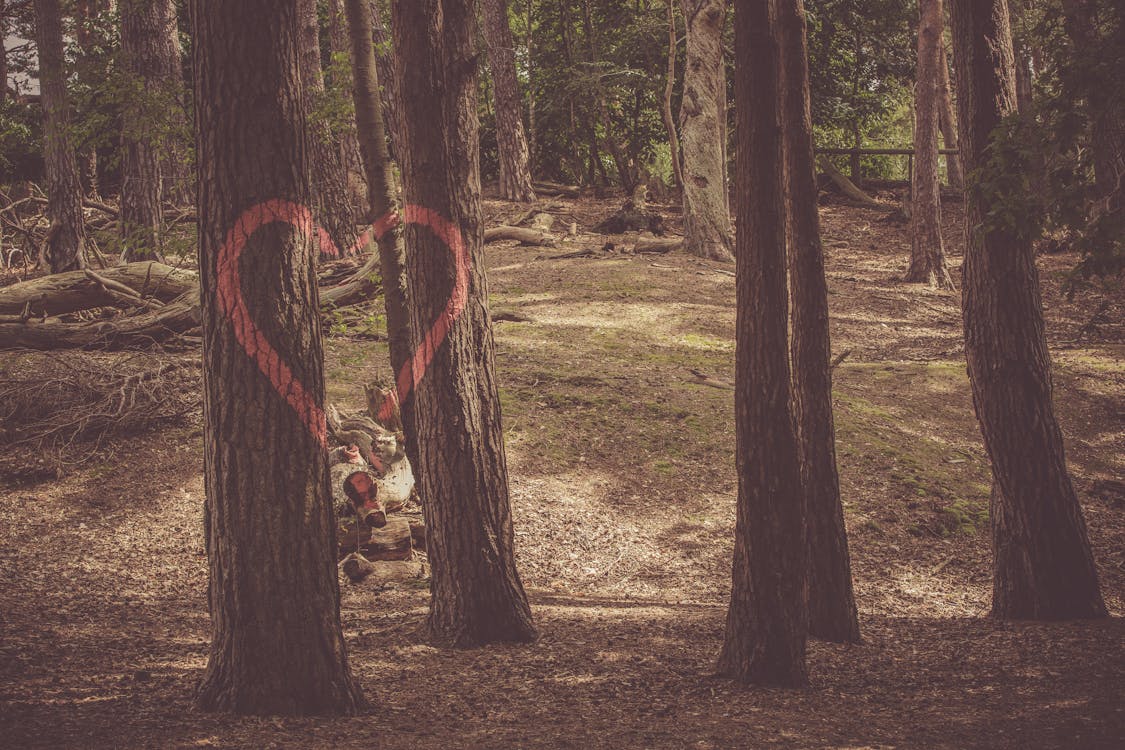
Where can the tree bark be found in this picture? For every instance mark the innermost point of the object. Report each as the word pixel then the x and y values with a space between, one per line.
pixel 177 177
pixel 515 162
pixel 707 227
pixel 927 254
pixel 389 89
pixel 666 110
pixel 331 202
pixel 948 123
pixel 85 13
pixel 144 34
pixel 832 610
pixel 277 645
pixel 66 239
pixel 340 79
pixel 1042 567
pixel 767 621
pixel 477 594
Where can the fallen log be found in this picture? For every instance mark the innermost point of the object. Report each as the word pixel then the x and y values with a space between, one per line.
pixel 391 542
pixel 847 187
pixel 62 293
pixel 657 245
pixel 519 234
pixel 554 188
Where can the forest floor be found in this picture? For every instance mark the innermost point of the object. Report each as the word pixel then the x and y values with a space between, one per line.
pixel 623 493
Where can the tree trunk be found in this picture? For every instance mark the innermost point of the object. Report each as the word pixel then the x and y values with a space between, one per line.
pixel 331 202
pixel 391 257
pixel 666 111
pixel 277 645
pixel 176 174
pixel 1043 568
pixel 515 163
pixel 340 79
pixel 143 35
pixel 707 227
pixel 1024 76
pixel 927 256
pixel 767 621
pixel 832 610
pixel 85 12
pixel 3 54
pixel 532 147
pixel 66 239
pixel 948 123
pixel 477 594
pixel 389 84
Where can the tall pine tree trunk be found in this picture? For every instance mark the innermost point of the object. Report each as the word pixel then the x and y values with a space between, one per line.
pixel 143 33
pixel 66 238
pixel 707 227
pixel 85 17
pixel 927 254
pixel 515 162
pixel 388 80
pixel 948 124
pixel 767 621
pixel 666 108
pixel 277 646
pixel 477 594
pixel 1042 567
pixel 832 610
pixel 339 78
pixel 331 203
pixel 176 175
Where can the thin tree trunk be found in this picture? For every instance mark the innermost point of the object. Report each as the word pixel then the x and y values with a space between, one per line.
pixel 66 238
pixel 515 162
pixel 3 54
pixel 85 11
pixel 532 144
pixel 832 610
pixel 1042 567
pixel 948 123
pixel 340 79
pixel 707 227
pixel 389 83
pixel 767 622
pixel 927 255
pixel 277 646
pixel 331 200
pixel 176 175
pixel 477 594
pixel 666 110
pixel 143 33
pixel 391 257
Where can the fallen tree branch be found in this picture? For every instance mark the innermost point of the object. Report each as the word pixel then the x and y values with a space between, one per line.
pixel 847 187
pixel 62 293
pixel 523 236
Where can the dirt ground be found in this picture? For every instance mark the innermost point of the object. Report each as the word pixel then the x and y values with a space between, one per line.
pixel 622 477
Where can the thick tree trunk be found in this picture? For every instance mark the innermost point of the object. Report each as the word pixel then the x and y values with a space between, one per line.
pixel 277 645
pixel 666 110
pixel 1043 568
pixel 707 227
pixel 767 622
pixel 832 610
pixel 515 162
pixel 477 594
pixel 948 123
pixel 144 34
pixel 927 255
pixel 331 202
pixel 391 256
pixel 66 239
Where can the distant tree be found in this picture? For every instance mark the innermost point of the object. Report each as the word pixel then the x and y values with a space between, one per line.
pixel 1042 566
pixel 927 253
pixel 707 227
pixel 87 34
pixel 832 610
pixel 66 237
pixel 388 80
pixel 666 109
pixel 332 204
pixel 948 123
pixel 277 646
pixel 767 622
pixel 144 47
pixel 515 162
pixel 477 594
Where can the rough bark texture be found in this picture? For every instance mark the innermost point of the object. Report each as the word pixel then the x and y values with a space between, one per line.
pixel 1043 568
pixel 66 239
pixel 515 162
pixel 177 177
pixel 767 621
pixel 927 254
pixel 277 645
pixel 707 227
pixel 388 81
pixel 85 11
pixel 331 204
pixel 832 610
pixel 391 256
pixel 144 37
pixel 340 78
pixel 666 110
pixel 948 122
pixel 477 594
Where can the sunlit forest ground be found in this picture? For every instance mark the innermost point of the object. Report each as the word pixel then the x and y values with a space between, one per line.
pixel 623 487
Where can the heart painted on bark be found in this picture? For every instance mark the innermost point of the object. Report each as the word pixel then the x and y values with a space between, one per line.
pixel 258 348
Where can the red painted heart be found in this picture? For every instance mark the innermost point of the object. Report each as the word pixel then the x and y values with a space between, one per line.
pixel 254 342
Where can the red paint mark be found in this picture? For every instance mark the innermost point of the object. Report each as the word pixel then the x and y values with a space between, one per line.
pixel 254 342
